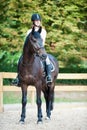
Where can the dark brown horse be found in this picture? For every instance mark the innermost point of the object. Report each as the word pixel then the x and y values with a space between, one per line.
pixel 30 72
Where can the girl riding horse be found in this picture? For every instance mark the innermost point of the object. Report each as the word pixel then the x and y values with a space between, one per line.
pixel 36 19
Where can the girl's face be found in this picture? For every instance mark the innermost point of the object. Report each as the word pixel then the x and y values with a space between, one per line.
pixel 37 23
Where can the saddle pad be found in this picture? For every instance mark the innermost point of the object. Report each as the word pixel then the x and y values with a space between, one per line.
pixel 43 66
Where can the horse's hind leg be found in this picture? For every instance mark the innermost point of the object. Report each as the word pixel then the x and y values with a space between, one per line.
pixel 49 98
pixel 24 101
pixel 48 103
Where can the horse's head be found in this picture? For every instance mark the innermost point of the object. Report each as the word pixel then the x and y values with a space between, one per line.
pixel 36 43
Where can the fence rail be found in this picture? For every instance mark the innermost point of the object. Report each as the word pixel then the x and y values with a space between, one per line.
pixel 10 75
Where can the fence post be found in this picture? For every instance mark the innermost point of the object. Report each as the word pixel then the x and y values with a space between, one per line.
pixel 32 97
pixel 1 93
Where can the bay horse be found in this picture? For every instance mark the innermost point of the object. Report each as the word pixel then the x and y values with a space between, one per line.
pixel 30 72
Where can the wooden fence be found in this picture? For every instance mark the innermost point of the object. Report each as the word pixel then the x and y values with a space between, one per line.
pixel 7 75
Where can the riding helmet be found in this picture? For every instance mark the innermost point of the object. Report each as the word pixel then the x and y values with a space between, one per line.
pixel 35 17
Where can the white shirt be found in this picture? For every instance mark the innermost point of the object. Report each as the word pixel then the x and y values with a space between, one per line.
pixel 42 34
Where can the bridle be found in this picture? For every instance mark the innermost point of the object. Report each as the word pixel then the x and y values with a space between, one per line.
pixel 36 49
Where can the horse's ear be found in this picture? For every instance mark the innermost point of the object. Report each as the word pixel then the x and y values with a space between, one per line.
pixel 33 30
pixel 40 29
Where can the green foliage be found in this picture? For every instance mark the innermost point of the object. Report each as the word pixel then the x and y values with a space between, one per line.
pixel 65 22
pixel 8 61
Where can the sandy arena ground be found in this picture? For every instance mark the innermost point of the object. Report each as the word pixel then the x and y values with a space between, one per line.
pixel 65 116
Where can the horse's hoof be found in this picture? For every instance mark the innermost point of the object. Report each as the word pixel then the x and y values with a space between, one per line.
pixel 47 118
pixel 21 122
pixel 39 122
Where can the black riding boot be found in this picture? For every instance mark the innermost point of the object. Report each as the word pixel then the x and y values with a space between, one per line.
pixel 49 77
pixel 16 82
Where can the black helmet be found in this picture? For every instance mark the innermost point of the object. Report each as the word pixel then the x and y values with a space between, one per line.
pixel 35 17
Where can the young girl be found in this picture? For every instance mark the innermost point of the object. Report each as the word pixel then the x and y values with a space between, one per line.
pixel 36 26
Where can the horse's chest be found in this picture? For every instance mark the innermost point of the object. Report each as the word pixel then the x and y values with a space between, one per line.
pixel 30 79
pixel 31 74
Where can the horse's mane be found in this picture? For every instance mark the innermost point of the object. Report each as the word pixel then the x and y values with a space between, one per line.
pixel 35 34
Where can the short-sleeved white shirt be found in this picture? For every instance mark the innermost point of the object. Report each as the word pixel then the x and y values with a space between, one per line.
pixel 43 34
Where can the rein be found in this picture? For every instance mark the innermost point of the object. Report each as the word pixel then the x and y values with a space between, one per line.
pixel 39 49
pixel 36 50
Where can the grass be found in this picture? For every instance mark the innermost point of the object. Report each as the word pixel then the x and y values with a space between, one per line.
pixel 69 100
pixel 11 97
pixel 15 97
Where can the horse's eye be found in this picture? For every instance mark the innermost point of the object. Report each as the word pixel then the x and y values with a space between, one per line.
pixel 34 40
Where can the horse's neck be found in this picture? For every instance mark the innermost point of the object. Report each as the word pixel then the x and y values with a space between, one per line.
pixel 28 55
pixel 28 58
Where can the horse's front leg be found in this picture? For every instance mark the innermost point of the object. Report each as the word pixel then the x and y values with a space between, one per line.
pixel 39 102
pixel 24 102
